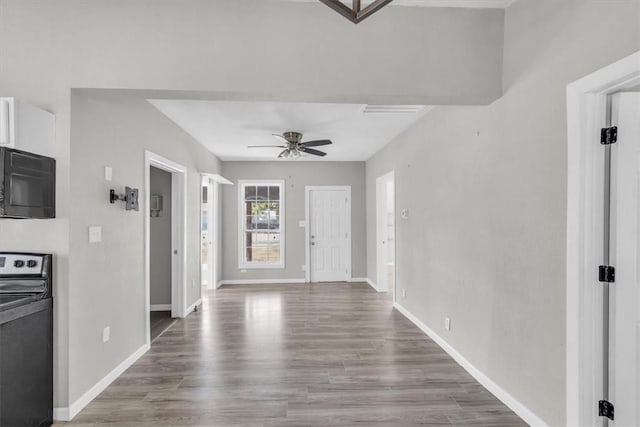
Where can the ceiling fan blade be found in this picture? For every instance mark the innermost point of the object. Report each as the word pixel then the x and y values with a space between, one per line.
pixel 312 151
pixel 283 154
pixel 317 143
pixel 266 146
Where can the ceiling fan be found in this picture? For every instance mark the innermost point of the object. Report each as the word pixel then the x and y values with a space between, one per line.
pixel 294 147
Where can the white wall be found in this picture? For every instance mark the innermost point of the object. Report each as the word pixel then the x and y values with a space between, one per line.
pixel 115 128
pixel 485 240
pixel 296 175
pixel 160 239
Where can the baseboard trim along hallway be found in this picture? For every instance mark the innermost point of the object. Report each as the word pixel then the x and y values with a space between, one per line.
pixel 67 414
pixel 511 402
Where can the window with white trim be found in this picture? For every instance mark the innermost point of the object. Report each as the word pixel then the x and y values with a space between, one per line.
pixel 261 209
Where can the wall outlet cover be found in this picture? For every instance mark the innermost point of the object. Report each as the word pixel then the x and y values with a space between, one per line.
pixel 95 234
pixel 106 334
pixel 108 173
pixel 302 224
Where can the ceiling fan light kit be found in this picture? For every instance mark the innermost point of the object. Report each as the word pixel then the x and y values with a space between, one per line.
pixel 294 146
pixel 355 13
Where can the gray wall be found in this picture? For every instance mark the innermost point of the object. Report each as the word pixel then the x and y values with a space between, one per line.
pixel 115 128
pixel 296 175
pixel 160 239
pixel 485 240
pixel 234 48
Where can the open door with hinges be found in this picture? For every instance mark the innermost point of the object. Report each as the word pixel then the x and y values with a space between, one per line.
pixel 621 274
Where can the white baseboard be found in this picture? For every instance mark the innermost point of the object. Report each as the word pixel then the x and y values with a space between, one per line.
pixel 358 280
pixel 515 405
pixel 160 307
pixel 219 284
pixel 67 414
pixel 192 307
pixel 261 281
pixel 373 285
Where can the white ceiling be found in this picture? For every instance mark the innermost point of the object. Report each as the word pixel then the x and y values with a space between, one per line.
pixel 227 128
pixel 488 4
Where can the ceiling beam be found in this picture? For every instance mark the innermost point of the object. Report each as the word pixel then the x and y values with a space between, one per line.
pixel 371 9
pixel 343 10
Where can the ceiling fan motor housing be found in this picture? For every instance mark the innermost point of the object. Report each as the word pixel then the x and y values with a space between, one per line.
pixel 293 137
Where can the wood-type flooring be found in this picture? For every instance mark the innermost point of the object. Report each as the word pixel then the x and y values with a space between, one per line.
pixel 296 355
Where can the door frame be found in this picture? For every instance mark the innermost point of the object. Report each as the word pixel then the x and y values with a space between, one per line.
pixel 212 232
pixel 178 235
pixel 383 180
pixel 307 234
pixel 586 115
pixel 215 181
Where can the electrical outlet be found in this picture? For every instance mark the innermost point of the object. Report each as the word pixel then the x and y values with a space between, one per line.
pixel 193 283
pixel 106 334
pixel 447 323
pixel 404 293
pixel 95 234
pixel 108 173
pixel 243 271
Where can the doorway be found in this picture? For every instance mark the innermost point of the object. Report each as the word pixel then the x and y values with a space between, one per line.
pixel 207 230
pixel 385 233
pixel 328 237
pixel 624 385
pixel 160 256
pixel 595 102
pixel 174 176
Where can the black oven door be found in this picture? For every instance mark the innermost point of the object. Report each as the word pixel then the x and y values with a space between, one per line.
pixel 27 185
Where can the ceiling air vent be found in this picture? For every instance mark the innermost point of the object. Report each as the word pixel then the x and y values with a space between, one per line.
pixel 403 109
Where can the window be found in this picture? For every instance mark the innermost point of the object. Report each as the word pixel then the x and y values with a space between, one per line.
pixel 261 209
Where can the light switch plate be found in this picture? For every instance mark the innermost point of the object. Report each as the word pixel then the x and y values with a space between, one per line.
pixel 302 224
pixel 95 234
pixel 108 173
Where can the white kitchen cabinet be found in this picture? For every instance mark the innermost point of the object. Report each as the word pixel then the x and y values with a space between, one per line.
pixel 26 127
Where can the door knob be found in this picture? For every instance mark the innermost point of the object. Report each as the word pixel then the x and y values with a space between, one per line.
pixel 312 244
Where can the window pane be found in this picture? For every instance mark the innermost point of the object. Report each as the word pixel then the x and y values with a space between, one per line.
pixel 250 223
pixel 250 192
pixel 274 253
pixel 263 193
pixel 274 223
pixel 274 193
pixel 257 208
pixel 274 238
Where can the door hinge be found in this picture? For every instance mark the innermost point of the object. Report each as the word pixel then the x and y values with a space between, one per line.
pixel 609 136
pixel 605 409
pixel 606 274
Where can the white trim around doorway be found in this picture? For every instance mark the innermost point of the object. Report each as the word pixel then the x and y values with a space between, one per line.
pixel 178 235
pixel 586 114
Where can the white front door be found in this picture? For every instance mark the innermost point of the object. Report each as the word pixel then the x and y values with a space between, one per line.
pixel 625 296
pixel 329 255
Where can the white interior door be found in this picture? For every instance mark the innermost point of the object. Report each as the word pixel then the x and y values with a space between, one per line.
pixel 625 297
pixel 385 232
pixel 329 248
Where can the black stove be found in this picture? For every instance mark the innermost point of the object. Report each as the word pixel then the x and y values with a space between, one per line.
pixel 26 339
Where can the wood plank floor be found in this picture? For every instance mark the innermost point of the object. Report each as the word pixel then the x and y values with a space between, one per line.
pixel 296 355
